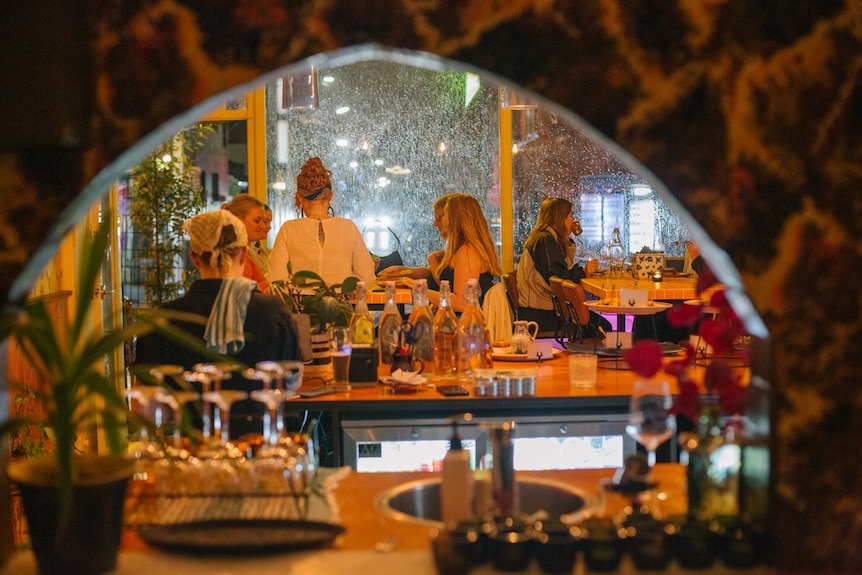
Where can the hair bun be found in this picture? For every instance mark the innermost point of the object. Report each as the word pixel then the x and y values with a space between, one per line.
pixel 313 177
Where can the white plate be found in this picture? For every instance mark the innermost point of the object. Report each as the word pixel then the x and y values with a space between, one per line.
pixel 508 354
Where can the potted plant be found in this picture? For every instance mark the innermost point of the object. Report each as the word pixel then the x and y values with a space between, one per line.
pixel 74 501
pixel 326 305
pixel 165 190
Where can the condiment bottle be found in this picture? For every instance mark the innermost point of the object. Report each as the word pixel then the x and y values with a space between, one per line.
pixel 390 326
pixel 422 322
pixel 445 336
pixel 616 254
pixel 456 483
pixel 361 323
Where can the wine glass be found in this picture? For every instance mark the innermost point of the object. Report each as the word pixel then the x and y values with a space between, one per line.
pixel 302 467
pixel 650 420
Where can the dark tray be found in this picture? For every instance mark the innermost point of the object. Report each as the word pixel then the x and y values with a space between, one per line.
pixel 240 536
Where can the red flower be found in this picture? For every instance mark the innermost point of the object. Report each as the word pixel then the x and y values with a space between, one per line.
pixel 645 357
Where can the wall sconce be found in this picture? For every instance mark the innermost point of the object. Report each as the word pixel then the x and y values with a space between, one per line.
pixel 299 91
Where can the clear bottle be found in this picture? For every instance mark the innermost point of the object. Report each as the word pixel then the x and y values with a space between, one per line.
pixel 473 343
pixel 361 323
pixel 422 322
pixel 616 255
pixel 390 326
pixel 445 336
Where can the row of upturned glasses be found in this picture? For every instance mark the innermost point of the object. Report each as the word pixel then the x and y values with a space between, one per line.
pixel 285 464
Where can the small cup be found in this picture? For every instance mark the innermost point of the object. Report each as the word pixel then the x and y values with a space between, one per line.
pixel 452 554
pixel 554 546
pixel 583 368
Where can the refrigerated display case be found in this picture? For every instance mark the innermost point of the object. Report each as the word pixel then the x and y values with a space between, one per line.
pixel 572 442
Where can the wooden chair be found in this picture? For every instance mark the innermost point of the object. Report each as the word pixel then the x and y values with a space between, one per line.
pixel 565 327
pixel 579 313
pixel 510 280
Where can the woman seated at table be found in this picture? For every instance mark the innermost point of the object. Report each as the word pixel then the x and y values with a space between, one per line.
pixel 434 258
pixel 319 242
pixel 548 252
pixel 469 253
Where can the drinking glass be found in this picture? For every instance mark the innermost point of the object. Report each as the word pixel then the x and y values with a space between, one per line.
pixel 650 420
pixel 302 467
pixel 209 376
pixel 141 397
pixel 340 352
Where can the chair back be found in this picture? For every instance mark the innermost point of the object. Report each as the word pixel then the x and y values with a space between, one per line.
pixel 510 281
pixel 576 299
pixel 565 325
pixel 558 296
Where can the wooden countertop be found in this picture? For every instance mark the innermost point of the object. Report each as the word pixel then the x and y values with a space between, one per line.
pixel 355 551
pixel 552 389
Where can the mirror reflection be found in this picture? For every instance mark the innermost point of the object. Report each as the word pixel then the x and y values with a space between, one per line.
pixel 396 137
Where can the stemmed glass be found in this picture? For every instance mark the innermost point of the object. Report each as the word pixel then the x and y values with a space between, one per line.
pixel 650 421
pixel 146 451
pixel 303 469
pixel 218 458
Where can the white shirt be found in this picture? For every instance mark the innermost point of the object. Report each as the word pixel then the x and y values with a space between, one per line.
pixel 343 253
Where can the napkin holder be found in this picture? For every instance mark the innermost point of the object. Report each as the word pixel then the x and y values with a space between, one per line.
pixel 633 297
pixel 363 366
pixel 618 340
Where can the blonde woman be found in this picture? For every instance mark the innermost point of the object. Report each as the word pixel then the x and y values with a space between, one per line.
pixel 320 242
pixel 548 252
pixel 397 272
pixel 252 212
pixel 469 253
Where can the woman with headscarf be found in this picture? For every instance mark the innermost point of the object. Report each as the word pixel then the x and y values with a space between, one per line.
pixel 242 322
pixel 320 242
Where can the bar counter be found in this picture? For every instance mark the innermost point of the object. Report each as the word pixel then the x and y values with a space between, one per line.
pixel 554 398
pixel 406 545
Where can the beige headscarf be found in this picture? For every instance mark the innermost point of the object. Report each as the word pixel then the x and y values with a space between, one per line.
pixel 215 236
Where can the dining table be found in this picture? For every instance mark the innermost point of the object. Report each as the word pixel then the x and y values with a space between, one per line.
pixel 670 288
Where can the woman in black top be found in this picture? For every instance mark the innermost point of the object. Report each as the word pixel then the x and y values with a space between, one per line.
pixel 548 252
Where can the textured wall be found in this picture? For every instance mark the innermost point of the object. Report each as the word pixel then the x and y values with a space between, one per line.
pixel 749 111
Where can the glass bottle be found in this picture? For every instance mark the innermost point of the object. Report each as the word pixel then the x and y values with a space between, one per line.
pixel 616 255
pixel 422 322
pixel 473 343
pixel 361 323
pixel 445 336
pixel 390 325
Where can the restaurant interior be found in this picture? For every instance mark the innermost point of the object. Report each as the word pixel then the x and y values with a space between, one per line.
pixel 691 162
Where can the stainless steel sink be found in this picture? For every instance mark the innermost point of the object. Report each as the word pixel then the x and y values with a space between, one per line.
pixel 419 501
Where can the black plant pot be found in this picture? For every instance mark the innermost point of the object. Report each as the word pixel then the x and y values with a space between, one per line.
pixel 90 541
